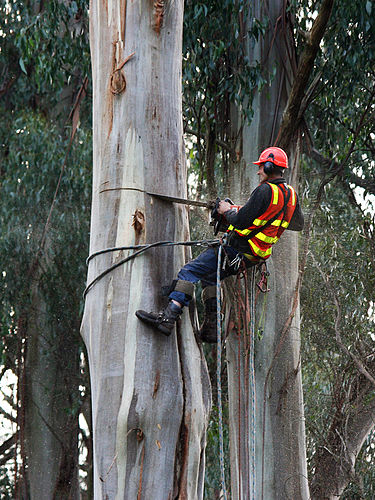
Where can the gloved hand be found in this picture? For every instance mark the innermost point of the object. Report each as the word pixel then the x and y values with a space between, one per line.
pixel 218 220
pixel 215 216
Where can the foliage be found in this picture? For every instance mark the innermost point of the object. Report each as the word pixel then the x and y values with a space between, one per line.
pixel 43 58
pixel 341 248
pixel 213 473
pixel 44 49
pixel 217 74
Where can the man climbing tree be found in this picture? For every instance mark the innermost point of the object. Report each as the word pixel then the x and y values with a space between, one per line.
pixel 253 230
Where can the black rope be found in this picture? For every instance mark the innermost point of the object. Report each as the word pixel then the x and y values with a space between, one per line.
pixel 141 249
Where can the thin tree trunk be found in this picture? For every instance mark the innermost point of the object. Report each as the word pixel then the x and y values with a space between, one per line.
pixel 51 425
pixel 150 393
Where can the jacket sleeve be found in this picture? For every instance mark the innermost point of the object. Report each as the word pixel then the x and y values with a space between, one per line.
pixel 298 221
pixel 255 206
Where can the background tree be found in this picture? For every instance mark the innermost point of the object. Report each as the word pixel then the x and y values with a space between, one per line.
pixel 43 264
pixel 316 87
pixel 338 317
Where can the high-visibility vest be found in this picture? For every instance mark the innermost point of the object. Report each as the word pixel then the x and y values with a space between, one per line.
pixel 261 243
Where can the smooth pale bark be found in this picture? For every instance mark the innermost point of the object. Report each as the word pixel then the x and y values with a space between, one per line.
pixel 150 393
pixel 51 425
pixel 284 456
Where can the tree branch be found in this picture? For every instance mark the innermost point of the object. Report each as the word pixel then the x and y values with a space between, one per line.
pixel 361 368
pixel 292 116
pixel 219 142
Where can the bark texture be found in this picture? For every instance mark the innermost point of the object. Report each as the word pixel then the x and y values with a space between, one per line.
pixel 353 420
pixel 280 455
pixel 150 393
pixel 51 424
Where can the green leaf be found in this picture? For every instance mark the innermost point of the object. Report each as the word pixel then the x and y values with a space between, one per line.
pixel 22 65
pixel 368 7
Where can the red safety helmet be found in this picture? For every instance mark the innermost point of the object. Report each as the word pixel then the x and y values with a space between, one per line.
pixel 277 156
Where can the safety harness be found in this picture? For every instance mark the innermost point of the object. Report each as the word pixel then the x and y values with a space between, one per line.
pixel 259 241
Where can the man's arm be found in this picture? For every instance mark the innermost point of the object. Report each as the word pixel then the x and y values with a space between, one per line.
pixel 255 206
pixel 298 221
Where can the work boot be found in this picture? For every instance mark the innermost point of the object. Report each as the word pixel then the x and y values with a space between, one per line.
pixel 163 321
pixel 208 330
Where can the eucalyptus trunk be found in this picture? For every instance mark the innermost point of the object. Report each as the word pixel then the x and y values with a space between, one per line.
pixel 280 455
pixel 150 393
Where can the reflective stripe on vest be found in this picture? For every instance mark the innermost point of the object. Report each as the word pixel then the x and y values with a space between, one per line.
pixel 258 251
pixel 263 249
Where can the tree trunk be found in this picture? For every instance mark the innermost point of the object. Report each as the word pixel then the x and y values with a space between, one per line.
pixel 51 422
pixel 351 424
pixel 150 393
pixel 280 456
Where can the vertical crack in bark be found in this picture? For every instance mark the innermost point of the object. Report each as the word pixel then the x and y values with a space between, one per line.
pixel 123 21
pixel 159 8
pixel 182 450
pixel 156 384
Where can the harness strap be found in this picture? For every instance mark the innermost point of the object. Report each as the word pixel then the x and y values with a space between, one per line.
pixel 257 230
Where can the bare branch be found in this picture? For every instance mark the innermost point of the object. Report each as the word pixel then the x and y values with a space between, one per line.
pixel 360 366
pixel 7 444
pixel 292 117
pixel 219 142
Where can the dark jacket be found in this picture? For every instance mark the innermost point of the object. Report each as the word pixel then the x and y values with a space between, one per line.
pixel 256 205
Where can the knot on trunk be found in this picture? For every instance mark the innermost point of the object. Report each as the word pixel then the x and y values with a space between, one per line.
pixel 138 222
pixel 118 82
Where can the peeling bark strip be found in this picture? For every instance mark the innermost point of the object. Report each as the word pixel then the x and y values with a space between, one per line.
pixel 159 7
pixel 138 222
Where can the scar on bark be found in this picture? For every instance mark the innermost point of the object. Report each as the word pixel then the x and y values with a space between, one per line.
pixel 138 224
pixel 156 384
pixel 289 380
pixel 159 7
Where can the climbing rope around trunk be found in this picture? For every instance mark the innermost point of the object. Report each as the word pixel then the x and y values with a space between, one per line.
pixel 140 249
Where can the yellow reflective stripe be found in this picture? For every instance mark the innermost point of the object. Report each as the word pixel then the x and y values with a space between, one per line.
pixel 277 223
pixel 293 194
pixel 267 239
pixel 243 232
pixel 259 222
pixel 260 252
pixel 250 256
pixel 275 190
